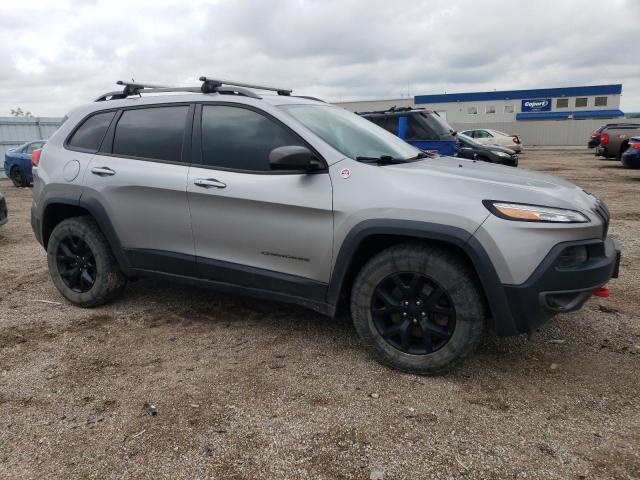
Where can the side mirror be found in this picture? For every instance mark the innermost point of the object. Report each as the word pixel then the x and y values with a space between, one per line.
pixel 293 157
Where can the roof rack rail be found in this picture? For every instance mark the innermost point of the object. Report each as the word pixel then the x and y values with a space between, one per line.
pixel 309 98
pixel 211 85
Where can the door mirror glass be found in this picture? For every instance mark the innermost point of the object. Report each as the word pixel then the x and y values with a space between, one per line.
pixel 293 157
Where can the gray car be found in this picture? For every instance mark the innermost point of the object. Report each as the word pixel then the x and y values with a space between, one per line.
pixel 293 199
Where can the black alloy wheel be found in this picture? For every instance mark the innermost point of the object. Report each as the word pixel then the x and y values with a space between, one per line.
pixel 76 264
pixel 413 313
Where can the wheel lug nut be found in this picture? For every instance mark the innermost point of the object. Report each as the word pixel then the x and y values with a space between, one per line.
pixel 415 320
pixel 404 314
pixel 424 314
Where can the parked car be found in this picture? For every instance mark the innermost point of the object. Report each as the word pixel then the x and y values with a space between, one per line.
pixel 292 199
pixel 494 137
pixel 468 148
pixel 17 163
pixel 614 140
pixel 631 156
pixel 594 140
pixel 3 210
pixel 424 129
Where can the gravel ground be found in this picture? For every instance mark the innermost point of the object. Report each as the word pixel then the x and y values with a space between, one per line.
pixel 246 389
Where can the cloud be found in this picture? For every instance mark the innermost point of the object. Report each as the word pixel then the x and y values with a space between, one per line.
pixel 59 54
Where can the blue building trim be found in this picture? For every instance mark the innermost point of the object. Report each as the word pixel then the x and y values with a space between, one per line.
pixel 615 89
pixel 565 115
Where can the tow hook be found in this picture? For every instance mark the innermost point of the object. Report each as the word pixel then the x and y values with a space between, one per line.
pixel 602 292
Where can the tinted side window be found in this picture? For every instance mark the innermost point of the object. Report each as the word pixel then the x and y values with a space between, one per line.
pixel 90 134
pixel 154 133
pixel 241 139
pixel 391 124
pixel 416 130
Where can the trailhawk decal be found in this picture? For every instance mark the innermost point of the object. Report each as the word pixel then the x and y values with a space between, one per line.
pixel 345 173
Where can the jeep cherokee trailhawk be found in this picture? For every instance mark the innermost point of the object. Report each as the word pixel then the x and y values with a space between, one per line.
pixel 293 199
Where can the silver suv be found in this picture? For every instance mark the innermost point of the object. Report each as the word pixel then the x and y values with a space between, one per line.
pixel 293 199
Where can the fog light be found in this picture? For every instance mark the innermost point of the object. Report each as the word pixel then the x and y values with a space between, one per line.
pixel 573 256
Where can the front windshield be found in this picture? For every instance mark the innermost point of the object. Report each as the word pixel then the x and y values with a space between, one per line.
pixel 349 133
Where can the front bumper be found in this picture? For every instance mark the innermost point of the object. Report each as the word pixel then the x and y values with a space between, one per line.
pixel 554 288
pixel 3 211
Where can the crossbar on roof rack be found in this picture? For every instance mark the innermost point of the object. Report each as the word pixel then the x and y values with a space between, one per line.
pixel 210 85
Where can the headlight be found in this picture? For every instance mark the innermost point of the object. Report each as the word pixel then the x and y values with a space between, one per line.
pixel 500 154
pixel 533 213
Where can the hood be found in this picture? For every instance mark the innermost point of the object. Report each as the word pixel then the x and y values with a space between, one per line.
pixel 487 181
pixel 497 148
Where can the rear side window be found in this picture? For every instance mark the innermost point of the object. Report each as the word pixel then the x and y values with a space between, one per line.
pixel 154 133
pixel 90 134
pixel 32 147
pixel 241 139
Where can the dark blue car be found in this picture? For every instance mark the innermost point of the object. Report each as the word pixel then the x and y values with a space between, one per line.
pixel 631 156
pixel 424 129
pixel 17 163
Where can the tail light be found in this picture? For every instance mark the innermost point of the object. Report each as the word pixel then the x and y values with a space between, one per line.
pixel 35 157
pixel 595 134
pixel 635 146
pixel 515 139
pixel 604 139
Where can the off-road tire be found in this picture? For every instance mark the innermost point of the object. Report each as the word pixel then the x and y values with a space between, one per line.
pixel 109 279
pixel 453 274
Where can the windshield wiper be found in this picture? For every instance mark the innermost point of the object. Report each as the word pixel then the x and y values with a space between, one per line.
pixel 381 160
pixel 389 160
pixel 419 156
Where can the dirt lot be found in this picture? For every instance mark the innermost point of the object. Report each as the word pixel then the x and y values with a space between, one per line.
pixel 246 389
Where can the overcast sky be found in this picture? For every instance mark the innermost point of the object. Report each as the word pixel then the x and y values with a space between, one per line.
pixel 56 55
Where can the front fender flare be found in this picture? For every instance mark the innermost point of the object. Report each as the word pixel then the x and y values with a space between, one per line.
pixel 489 280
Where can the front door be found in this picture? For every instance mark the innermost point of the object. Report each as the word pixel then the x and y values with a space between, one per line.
pixel 253 226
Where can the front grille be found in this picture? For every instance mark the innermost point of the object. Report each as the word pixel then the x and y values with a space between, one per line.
pixel 603 212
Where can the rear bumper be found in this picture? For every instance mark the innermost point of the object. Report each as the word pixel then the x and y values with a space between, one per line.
pixel 3 211
pixel 631 158
pixel 554 289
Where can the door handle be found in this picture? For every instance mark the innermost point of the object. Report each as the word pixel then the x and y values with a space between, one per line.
pixel 209 182
pixel 103 171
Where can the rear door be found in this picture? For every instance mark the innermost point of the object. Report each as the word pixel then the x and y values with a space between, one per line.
pixel 255 227
pixel 139 179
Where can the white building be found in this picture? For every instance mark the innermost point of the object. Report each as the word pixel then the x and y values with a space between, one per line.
pixel 544 116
